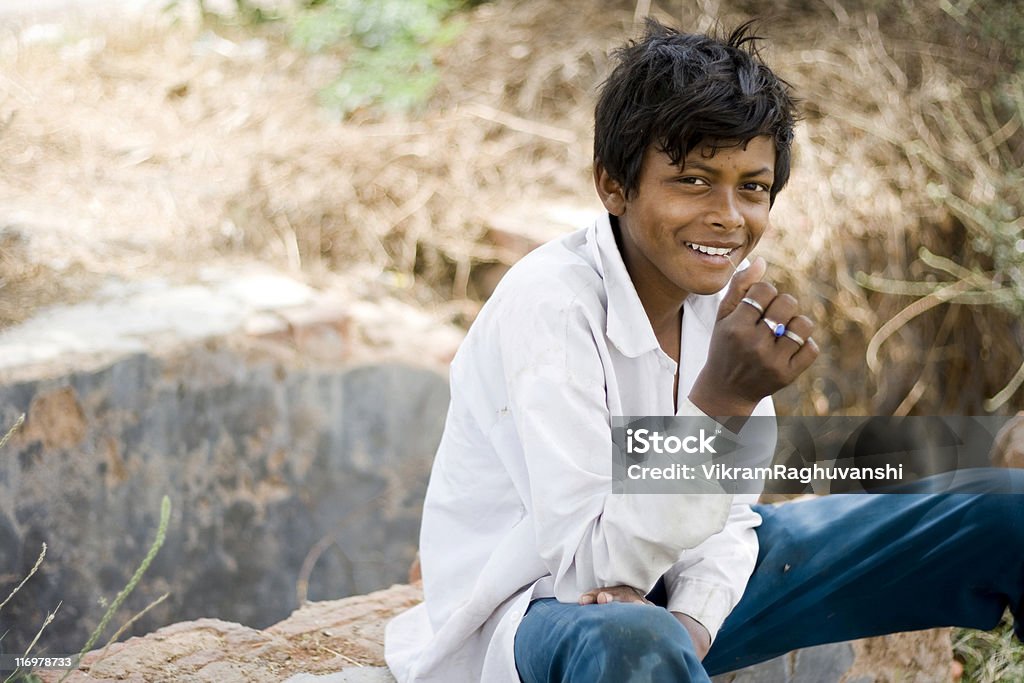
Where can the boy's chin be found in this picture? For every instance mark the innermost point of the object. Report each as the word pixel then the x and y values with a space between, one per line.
pixel 708 288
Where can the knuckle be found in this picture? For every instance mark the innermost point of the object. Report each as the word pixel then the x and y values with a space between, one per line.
pixel 762 289
pixel 805 322
pixel 788 299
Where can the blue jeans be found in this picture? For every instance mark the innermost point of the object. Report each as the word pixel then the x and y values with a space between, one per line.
pixel 831 569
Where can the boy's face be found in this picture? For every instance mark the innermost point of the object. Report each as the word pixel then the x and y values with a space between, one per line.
pixel 685 230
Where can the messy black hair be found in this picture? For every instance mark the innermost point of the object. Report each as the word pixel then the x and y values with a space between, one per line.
pixel 677 91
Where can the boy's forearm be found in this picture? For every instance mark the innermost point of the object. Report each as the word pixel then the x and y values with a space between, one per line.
pixel 698 633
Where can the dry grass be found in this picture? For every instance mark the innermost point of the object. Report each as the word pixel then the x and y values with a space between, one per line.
pixel 183 145
pixel 146 148
pixel 990 656
pixel 906 198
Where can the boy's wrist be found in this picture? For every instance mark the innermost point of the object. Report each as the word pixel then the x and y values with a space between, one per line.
pixel 698 633
pixel 716 404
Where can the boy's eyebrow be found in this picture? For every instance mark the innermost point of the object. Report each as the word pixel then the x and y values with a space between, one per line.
pixel 700 166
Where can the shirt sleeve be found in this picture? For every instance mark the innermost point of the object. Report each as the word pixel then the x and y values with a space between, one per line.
pixel 586 536
pixel 707 582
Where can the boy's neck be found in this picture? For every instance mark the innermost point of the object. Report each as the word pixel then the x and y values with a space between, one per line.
pixel 664 308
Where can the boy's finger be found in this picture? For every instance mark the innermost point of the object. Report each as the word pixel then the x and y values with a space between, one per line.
pixel 739 285
pixel 805 355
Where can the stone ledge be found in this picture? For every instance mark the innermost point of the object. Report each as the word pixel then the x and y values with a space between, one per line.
pixel 342 641
pixel 353 318
pixel 321 638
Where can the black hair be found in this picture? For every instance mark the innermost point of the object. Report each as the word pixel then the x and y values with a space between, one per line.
pixel 678 91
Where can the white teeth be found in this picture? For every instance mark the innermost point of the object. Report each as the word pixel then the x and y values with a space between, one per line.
pixel 713 251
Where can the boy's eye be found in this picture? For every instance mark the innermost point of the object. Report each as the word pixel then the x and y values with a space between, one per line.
pixel 757 187
pixel 692 180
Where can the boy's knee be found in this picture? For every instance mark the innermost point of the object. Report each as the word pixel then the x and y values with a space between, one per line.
pixel 1002 513
pixel 636 642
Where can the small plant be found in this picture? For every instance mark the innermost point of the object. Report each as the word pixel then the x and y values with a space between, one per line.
pixel 161 535
pixel 245 10
pixel 20 676
pixel 391 49
pixel 23 676
pixel 990 656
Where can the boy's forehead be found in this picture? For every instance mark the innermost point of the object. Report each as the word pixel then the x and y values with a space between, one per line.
pixel 759 146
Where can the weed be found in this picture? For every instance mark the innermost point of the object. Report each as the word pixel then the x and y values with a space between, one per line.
pixel 990 656
pixel 161 534
pixel 391 49
pixel 19 676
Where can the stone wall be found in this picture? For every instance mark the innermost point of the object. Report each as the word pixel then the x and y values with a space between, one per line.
pixel 278 477
pixel 296 469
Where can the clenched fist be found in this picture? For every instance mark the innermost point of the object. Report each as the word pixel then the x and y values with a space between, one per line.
pixel 760 344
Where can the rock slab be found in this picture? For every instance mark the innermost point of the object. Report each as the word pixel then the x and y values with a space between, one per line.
pixel 342 641
pixel 294 448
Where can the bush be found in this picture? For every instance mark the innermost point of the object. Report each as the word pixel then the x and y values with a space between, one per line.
pixel 391 49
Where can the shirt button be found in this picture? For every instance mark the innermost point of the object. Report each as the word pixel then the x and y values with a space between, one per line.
pixel 516 615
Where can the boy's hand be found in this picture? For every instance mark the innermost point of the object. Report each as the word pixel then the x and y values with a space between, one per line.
pixel 740 284
pixel 746 360
pixel 602 596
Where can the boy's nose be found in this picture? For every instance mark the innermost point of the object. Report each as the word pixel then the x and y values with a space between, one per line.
pixel 726 214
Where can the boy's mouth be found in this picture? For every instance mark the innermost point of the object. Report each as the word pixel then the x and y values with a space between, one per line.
pixel 711 250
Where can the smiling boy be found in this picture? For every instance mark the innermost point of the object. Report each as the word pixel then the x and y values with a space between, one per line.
pixel 533 570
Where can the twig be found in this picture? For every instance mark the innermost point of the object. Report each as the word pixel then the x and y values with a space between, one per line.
pixel 128 624
pixel 839 11
pixel 541 130
pixel 46 622
pixel 900 287
pixel 921 385
pixel 342 655
pixel 312 557
pixel 955 269
pixel 34 569
pixel 1000 134
pixel 289 240
pixel 1004 394
pixel 907 314
pixel 17 425
pixel 643 9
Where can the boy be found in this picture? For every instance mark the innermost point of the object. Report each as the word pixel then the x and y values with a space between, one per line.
pixel 533 570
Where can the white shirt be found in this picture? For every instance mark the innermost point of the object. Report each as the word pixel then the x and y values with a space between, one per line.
pixel 519 504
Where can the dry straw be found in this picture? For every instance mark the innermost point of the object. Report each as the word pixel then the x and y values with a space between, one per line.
pixel 173 145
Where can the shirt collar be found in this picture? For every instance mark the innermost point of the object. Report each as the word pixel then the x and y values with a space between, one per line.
pixel 628 327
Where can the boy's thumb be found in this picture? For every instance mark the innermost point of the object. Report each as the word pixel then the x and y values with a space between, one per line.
pixel 739 285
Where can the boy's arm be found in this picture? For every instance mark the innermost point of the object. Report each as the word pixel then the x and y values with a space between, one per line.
pixel 708 581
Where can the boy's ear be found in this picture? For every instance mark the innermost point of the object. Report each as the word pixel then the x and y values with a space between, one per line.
pixel 609 190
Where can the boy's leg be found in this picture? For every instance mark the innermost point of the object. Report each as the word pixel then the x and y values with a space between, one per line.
pixel 850 566
pixel 617 642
